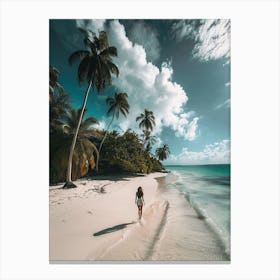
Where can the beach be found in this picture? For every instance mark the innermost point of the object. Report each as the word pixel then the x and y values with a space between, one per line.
pixel 88 224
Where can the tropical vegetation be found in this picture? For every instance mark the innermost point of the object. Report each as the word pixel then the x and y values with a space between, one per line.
pixel 146 120
pixel 117 104
pixel 77 147
pixel 162 152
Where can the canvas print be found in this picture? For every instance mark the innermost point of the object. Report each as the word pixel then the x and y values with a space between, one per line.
pixel 139 140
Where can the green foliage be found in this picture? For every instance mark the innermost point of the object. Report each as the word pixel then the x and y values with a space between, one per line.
pixel 163 152
pixel 63 122
pixel 95 63
pixel 117 104
pixel 126 154
pixel 146 120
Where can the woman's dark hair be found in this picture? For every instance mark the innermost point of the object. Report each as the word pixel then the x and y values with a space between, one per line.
pixel 139 192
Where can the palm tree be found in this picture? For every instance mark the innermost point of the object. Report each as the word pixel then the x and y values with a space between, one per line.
pixel 95 68
pixel 53 80
pixel 149 140
pixel 84 148
pixel 118 104
pixel 85 151
pixel 163 152
pixel 58 101
pixel 146 120
pixel 58 106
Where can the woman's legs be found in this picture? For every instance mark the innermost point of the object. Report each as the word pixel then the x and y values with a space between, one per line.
pixel 140 211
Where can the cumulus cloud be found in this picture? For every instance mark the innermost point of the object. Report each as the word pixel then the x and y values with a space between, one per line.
pixel 144 35
pixel 211 37
pixel 149 87
pixel 217 153
pixel 95 26
pixel 192 131
pixel 158 143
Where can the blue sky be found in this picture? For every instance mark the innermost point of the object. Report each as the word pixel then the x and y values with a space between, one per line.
pixel 179 69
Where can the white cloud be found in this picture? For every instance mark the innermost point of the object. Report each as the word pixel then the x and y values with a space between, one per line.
pixel 211 37
pixel 158 143
pixel 192 131
pixel 149 87
pixel 217 153
pixel 101 125
pixel 225 104
pixel 147 37
pixel 95 26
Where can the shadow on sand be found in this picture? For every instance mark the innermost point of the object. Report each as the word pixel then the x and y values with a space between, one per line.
pixel 112 229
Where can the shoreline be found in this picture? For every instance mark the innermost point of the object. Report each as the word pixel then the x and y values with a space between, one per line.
pixel 186 223
pixel 86 225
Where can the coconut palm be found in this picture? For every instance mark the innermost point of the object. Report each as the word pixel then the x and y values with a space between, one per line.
pixel 84 148
pixel 146 120
pixel 162 152
pixel 53 80
pixel 149 140
pixel 118 104
pixel 95 68
pixel 58 101
pixel 85 151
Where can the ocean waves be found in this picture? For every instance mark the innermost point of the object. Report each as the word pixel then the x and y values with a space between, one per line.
pixel 207 189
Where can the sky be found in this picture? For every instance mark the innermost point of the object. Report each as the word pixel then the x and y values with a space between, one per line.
pixel 179 69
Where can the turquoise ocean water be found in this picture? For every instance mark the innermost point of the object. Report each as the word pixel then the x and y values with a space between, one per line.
pixel 207 188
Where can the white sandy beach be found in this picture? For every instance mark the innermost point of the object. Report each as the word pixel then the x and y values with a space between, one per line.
pixel 86 225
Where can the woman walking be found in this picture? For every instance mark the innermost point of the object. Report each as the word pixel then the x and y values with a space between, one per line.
pixel 139 200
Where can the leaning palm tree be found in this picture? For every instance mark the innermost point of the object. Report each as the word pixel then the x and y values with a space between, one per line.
pixel 163 152
pixel 85 152
pixel 146 120
pixel 84 148
pixel 95 68
pixel 118 104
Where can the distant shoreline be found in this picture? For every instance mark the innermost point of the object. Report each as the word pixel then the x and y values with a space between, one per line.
pixel 196 164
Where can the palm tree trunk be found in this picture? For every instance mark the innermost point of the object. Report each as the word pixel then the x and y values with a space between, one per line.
pixel 69 183
pixel 101 144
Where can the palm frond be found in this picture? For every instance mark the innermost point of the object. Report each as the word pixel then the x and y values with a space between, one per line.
pixel 111 110
pixel 124 111
pixel 77 55
pixel 113 68
pixel 102 40
pixel 108 52
pixel 110 101
pixel 83 70
pixel 139 118
pixel 89 122
pixel 93 68
pixel 84 31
